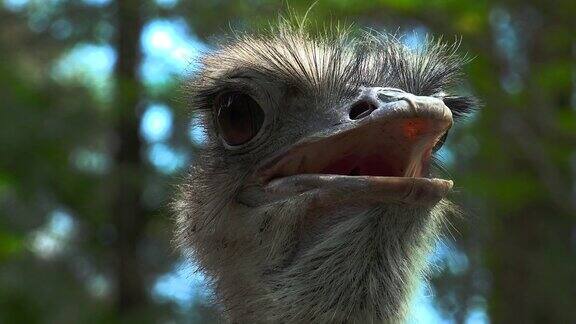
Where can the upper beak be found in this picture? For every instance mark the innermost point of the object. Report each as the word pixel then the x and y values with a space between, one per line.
pixel 380 153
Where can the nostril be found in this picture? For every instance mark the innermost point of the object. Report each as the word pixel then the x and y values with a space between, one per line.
pixel 361 109
pixel 384 97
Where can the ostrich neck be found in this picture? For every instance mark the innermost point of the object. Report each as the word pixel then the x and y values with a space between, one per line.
pixel 363 269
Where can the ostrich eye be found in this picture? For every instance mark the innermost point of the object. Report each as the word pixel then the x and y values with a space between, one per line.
pixel 239 118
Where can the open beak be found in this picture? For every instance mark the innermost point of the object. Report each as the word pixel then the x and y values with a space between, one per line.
pixel 382 157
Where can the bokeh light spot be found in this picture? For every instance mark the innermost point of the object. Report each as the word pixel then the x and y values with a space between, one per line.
pixel 156 123
pixel 182 285
pixel 166 159
pixel 52 239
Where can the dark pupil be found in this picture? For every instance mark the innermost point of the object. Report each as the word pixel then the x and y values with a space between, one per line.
pixel 239 118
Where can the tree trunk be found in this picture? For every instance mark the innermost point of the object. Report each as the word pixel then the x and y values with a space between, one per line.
pixel 127 211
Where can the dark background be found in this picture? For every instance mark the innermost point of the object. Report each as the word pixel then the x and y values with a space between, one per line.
pixel 95 133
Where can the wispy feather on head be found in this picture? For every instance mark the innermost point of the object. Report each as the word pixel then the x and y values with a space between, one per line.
pixel 329 61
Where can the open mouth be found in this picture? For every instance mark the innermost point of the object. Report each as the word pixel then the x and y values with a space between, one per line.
pixel 384 157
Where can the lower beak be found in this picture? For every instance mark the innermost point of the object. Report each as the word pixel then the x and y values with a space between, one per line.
pixel 331 190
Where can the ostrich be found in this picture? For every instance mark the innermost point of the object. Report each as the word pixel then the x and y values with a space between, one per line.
pixel 312 199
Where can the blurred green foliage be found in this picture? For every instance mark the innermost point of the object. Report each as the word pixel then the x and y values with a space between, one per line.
pixel 71 154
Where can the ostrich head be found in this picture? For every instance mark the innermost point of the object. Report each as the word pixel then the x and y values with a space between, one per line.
pixel 312 199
